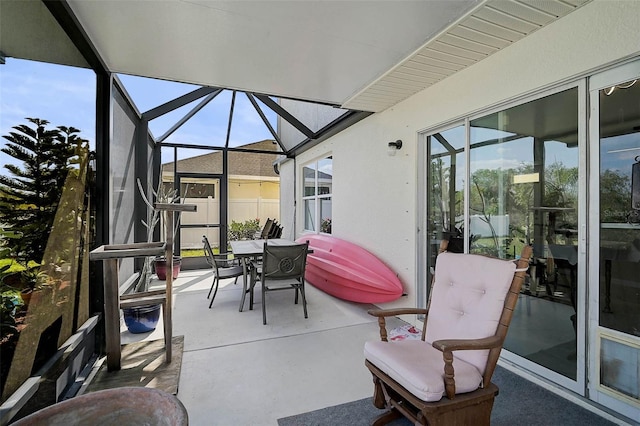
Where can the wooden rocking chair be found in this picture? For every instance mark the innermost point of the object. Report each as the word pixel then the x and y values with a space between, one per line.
pixel 445 378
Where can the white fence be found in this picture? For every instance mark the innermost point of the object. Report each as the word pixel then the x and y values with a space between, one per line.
pixel 208 212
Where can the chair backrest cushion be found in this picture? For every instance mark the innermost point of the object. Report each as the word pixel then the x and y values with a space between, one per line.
pixel 467 300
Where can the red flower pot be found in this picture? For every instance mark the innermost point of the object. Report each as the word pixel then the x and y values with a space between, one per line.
pixel 161 267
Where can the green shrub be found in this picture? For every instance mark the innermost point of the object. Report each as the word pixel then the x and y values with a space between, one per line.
pixel 243 230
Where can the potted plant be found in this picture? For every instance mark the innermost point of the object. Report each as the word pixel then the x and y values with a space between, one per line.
pixel 160 266
pixel 28 280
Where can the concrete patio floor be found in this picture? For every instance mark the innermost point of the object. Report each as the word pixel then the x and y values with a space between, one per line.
pixel 237 371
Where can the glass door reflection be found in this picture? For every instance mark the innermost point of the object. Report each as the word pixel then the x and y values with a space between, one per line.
pixel 619 240
pixel 523 189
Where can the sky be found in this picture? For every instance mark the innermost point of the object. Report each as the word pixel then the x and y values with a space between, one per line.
pixel 65 96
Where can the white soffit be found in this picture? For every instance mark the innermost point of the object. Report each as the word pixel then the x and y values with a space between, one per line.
pixel 493 26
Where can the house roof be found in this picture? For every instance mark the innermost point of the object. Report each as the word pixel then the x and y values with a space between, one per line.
pixel 241 163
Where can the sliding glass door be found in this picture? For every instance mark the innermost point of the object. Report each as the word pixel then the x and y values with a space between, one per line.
pixel 615 248
pixel 537 173
pixel 524 189
pixel 511 178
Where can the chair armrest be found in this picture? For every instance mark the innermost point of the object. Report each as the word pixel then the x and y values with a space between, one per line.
pixel 450 345
pixel 383 313
pixel 224 257
pixel 396 312
pixel 447 346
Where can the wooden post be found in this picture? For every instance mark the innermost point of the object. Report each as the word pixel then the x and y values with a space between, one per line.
pixel 168 324
pixel 170 208
pixel 112 314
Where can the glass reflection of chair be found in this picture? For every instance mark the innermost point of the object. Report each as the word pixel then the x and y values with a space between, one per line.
pixel 223 267
pixel 281 268
pixel 564 261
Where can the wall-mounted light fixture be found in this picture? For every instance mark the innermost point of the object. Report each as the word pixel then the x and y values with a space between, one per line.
pixel 394 146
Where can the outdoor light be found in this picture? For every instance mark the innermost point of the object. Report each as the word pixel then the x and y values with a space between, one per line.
pixel 394 146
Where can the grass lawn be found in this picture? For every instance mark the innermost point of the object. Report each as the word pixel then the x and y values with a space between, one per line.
pixel 195 252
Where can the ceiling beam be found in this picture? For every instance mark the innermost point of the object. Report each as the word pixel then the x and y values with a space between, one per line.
pixel 286 116
pixel 69 23
pixel 233 103
pixel 178 102
pixel 336 126
pixel 190 114
pixel 265 120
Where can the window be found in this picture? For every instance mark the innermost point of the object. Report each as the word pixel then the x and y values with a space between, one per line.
pixel 193 190
pixel 318 186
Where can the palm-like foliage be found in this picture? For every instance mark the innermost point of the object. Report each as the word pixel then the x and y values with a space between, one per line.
pixel 30 193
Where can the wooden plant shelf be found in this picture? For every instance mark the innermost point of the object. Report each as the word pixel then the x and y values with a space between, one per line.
pixel 110 254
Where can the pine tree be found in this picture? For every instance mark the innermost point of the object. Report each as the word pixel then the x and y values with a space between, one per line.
pixel 29 197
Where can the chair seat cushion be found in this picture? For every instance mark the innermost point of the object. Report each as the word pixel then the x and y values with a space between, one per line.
pixel 419 368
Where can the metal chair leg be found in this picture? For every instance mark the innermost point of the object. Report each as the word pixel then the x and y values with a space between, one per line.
pixel 264 306
pixel 304 301
pixel 216 282
pixel 212 285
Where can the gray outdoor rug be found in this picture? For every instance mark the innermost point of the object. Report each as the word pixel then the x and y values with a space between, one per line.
pixel 520 402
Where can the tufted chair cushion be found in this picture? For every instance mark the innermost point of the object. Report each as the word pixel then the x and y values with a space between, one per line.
pixel 419 368
pixel 467 301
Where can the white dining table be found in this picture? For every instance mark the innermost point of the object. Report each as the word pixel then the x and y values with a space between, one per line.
pixel 245 250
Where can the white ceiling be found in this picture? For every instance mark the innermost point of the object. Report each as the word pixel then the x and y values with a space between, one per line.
pixel 307 49
pixel 359 54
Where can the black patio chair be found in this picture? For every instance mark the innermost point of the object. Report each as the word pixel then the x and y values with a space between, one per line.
pixel 223 267
pixel 264 234
pixel 281 268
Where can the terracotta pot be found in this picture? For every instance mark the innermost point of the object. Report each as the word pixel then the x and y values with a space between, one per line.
pixel 30 296
pixel 122 406
pixel 26 294
pixel 160 265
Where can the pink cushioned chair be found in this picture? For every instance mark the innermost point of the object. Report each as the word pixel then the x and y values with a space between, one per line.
pixel 445 378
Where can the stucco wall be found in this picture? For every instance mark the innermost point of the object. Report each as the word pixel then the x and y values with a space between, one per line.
pixel 375 195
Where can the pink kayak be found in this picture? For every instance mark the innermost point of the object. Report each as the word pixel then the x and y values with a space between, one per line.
pixel 347 271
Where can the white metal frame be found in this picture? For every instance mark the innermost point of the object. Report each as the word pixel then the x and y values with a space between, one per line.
pixel 423 204
pixel 578 386
pixel 598 393
pixel 317 197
